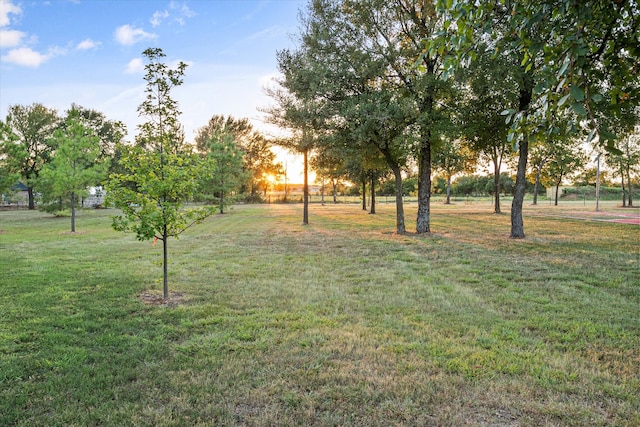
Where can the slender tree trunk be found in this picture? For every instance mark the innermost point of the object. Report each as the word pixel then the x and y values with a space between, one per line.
pixel 448 201
pixel 624 195
pixel 536 186
pixel 400 228
pixel 496 188
pixel 517 224
pixel 424 189
pixel 334 185
pixel 322 192
pixel 32 203
pixel 557 190
pixel 364 194
pixel 165 264
pixel 305 214
pixel 373 196
pixel 629 187
pixel 73 212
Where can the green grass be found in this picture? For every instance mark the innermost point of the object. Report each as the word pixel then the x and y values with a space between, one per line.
pixel 340 322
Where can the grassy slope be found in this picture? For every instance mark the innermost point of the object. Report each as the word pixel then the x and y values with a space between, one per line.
pixel 338 323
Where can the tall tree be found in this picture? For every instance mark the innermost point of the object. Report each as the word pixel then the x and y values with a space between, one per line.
pixel 160 172
pixel 76 165
pixel 27 142
pixel 578 56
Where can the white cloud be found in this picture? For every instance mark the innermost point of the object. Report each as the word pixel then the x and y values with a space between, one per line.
pixel 157 17
pixel 129 35
pixel 135 66
pixel 7 7
pixel 11 38
pixel 183 11
pixel 26 57
pixel 88 44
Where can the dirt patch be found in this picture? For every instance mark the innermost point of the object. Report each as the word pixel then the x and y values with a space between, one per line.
pixel 175 299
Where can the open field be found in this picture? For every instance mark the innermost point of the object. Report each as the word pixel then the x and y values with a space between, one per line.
pixel 341 322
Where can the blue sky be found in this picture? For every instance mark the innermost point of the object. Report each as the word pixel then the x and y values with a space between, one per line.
pixel 88 52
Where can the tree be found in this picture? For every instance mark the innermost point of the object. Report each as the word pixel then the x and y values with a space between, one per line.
pixel 259 160
pixel 75 165
pixel 579 60
pixel 27 142
pixel 451 158
pixel 226 173
pixel 628 163
pixel 565 158
pixel 540 155
pixel 160 172
pixel 488 86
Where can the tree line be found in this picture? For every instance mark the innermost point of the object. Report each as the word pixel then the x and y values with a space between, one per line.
pixel 387 87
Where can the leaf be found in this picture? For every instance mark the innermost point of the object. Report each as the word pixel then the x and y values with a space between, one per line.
pixel 592 135
pixel 563 100
pixel 579 109
pixel 576 93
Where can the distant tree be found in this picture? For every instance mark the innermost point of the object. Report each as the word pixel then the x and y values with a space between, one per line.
pixel 566 158
pixel 627 163
pixel 27 142
pixel 259 160
pixel 452 157
pixel 226 172
pixel 76 164
pixel 540 154
pixel 160 172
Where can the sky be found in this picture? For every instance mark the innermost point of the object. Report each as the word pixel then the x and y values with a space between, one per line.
pixel 89 52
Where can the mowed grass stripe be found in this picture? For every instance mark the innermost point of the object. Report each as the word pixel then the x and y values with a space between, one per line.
pixel 340 322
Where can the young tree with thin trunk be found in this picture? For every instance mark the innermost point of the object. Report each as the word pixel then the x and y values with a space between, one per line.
pixel 76 165
pixel 161 172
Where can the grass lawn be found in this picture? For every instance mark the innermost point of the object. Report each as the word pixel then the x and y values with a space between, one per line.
pixel 340 322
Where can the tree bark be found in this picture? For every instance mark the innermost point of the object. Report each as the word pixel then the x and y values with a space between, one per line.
pixel 496 189
pixel 373 196
pixel 32 203
pixel 557 190
pixel 364 194
pixel 400 228
pixel 536 186
pixel 73 212
pixel 517 224
pixel 424 189
pixel 448 202
pixel 165 264
pixel 305 214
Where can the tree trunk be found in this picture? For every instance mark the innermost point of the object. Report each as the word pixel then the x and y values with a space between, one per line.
pixel 305 214
pixel 557 190
pixel 364 194
pixel 373 196
pixel 496 188
pixel 517 224
pixel 629 187
pixel 448 202
pixel 424 189
pixel 536 186
pixel 525 96
pixel 334 185
pixel 165 267
pixel 624 194
pixel 32 203
pixel 73 212
pixel 400 228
